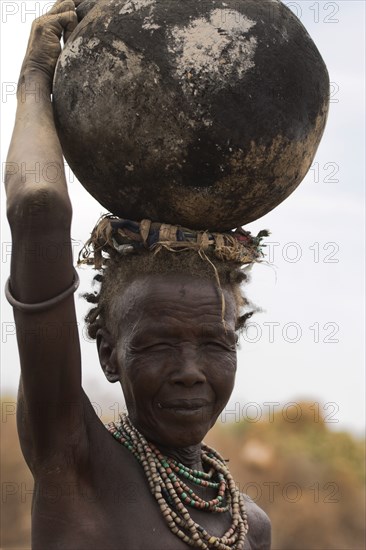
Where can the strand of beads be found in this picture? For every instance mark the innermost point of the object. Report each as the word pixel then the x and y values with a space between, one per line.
pixel 169 466
pixel 172 494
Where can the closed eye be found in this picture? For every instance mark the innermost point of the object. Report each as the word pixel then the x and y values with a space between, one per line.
pixel 220 345
pixel 153 347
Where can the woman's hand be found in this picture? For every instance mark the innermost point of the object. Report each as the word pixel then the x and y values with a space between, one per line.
pixel 84 7
pixel 44 45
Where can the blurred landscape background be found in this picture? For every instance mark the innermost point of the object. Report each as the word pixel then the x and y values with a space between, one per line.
pixel 308 478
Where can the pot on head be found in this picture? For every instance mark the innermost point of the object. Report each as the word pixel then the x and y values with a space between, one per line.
pixel 203 114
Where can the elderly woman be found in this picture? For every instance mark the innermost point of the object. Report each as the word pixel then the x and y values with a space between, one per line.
pixel 165 326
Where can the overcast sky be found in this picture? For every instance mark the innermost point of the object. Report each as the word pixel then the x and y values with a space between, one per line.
pixel 308 343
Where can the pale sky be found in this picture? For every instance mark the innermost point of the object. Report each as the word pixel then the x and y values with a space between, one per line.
pixel 308 343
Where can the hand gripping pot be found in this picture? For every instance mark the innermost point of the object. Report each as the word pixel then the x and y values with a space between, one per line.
pixel 203 113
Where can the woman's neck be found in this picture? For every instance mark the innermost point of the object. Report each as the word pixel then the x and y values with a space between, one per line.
pixel 189 456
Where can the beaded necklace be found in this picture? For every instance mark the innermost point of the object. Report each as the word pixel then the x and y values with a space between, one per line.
pixel 173 494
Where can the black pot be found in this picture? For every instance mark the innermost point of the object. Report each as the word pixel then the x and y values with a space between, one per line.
pixel 206 114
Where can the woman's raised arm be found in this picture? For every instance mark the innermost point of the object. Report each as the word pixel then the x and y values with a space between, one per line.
pixel 39 214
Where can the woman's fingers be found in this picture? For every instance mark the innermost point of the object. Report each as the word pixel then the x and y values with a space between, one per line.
pixel 64 22
pixel 61 6
pixel 84 7
pixel 70 26
pixel 60 14
pixel 44 43
pixel 63 18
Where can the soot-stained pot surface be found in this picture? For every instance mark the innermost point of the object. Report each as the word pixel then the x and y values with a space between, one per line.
pixel 206 114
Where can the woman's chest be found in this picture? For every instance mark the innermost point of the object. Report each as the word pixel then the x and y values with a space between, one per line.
pixel 108 505
pixel 114 511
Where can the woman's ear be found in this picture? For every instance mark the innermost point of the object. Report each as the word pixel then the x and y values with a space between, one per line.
pixel 107 355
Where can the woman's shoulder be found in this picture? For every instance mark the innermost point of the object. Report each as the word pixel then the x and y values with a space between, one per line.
pixel 259 533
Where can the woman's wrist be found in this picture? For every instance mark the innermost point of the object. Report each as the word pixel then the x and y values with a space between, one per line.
pixel 34 85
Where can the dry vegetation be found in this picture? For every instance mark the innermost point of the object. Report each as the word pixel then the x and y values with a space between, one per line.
pixel 309 479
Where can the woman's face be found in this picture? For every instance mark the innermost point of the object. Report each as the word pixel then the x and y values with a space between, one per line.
pixel 174 358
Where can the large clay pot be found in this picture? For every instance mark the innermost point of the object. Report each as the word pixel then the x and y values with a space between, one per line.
pixel 201 113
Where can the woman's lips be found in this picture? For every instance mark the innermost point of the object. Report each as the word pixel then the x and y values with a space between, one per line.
pixel 183 405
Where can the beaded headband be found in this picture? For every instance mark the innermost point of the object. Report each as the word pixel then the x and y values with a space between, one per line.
pixel 112 234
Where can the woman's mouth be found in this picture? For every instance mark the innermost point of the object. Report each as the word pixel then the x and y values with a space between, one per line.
pixel 183 406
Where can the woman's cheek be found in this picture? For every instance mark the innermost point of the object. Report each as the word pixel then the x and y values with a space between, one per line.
pixel 222 360
pixel 150 364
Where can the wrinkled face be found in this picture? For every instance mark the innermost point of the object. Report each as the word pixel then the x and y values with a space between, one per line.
pixel 174 359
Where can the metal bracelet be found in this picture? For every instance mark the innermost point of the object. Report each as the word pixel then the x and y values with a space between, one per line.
pixel 47 304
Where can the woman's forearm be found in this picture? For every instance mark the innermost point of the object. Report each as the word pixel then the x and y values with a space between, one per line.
pixel 34 161
pixel 34 174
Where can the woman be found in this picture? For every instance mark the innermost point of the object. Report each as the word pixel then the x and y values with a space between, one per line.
pixel 165 329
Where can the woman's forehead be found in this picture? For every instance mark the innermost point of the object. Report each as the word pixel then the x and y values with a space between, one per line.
pixel 174 295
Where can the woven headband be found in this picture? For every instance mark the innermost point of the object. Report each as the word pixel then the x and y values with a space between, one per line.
pixel 112 234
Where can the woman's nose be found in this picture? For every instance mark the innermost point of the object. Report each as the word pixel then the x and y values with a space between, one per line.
pixel 189 371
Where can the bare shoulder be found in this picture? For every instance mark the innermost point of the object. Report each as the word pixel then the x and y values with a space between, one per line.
pixel 259 533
